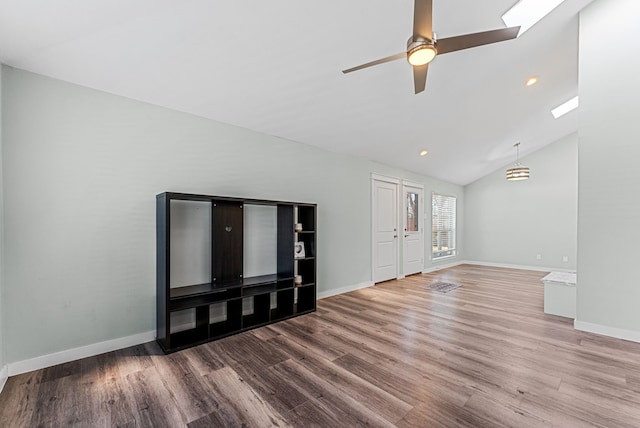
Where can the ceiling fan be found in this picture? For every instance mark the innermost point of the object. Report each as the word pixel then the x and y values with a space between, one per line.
pixel 422 46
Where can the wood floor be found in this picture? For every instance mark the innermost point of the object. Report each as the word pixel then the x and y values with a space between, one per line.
pixel 483 355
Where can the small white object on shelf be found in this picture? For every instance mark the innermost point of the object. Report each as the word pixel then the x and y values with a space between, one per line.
pixel 298 250
pixel 298 227
pixel 298 279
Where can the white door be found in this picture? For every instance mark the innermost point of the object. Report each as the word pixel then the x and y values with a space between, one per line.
pixel 413 228
pixel 385 230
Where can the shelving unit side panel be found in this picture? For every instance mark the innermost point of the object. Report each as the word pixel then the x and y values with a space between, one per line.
pixel 307 294
pixel 162 266
pixel 313 243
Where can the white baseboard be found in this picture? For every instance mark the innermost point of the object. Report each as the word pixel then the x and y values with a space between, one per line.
pixel 510 266
pixel 436 268
pixel 618 333
pixel 61 357
pixel 66 356
pixel 341 290
pixel 4 375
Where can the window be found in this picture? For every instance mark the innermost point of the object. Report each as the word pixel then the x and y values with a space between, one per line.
pixel 443 215
pixel 412 212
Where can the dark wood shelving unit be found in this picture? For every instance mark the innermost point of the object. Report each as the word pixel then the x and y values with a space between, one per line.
pixel 270 298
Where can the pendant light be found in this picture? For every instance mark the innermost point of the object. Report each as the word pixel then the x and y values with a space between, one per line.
pixel 518 172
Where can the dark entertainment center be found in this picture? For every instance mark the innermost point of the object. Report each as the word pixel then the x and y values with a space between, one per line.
pixel 228 301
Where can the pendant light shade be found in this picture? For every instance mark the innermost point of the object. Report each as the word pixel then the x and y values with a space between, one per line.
pixel 518 172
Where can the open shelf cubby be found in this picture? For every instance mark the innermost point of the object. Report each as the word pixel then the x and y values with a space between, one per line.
pixel 307 217
pixel 226 265
pixel 306 299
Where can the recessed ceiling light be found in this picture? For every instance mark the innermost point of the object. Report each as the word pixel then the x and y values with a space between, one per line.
pixel 526 13
pixel 532 81
pixel 423 152
pixel 565 108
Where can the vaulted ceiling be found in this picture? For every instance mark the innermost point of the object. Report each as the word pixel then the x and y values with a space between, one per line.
pixel 275 67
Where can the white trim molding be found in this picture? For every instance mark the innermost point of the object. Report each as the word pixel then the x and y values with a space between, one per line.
pixel 4 375
pixel 618 333
pixel 61 357
pixel 386 178
pixel 435 268
pixel 410 183
pixel 346 289
pixel 524 267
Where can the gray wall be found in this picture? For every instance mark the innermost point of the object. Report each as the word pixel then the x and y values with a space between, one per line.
pixel 82 169
pixel 512 222
pixel 608 292
pixel 2 322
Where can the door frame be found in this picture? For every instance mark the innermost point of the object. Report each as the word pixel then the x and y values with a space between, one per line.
pixel 396 182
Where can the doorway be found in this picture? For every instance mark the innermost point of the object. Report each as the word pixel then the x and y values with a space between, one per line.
pixel 384 228
pixel 397 208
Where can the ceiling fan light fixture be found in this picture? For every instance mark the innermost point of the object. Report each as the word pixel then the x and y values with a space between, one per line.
pixel 423 47
pixel 421 54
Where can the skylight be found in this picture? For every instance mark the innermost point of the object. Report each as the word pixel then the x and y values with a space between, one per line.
pixel 526 13
pixel 565 108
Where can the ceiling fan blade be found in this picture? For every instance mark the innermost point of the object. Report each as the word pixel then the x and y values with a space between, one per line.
pixel 376 62
pixel 422 17
pixel 466 41
pixel 420 77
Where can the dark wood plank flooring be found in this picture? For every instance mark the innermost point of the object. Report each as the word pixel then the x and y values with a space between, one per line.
pixel 483 355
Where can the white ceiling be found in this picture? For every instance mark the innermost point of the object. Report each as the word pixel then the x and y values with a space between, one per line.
pixel 275 67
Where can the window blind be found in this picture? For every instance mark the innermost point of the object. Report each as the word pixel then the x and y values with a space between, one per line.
pixel 443 215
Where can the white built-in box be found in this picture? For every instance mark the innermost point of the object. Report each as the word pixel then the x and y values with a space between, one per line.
pixel 560 294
